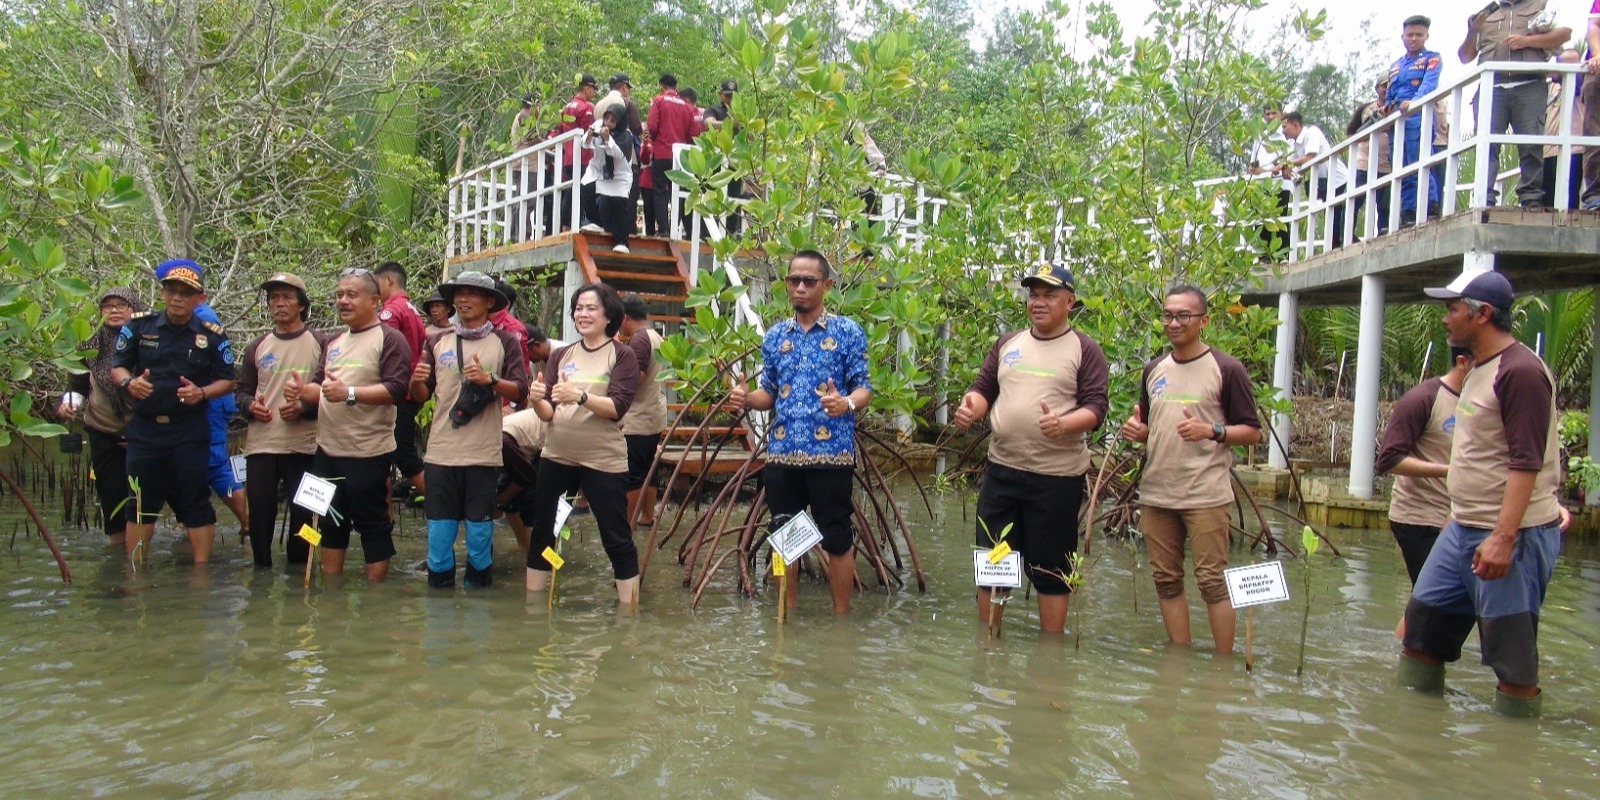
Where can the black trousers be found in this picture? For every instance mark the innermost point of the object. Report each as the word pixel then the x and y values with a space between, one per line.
pixel 405 438
pixel 608 500
pixel 661 196
pixel 616 216
pixel 271 476
pixel 108 457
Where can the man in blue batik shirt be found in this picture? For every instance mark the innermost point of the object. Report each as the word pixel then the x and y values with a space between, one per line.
pixel 1415 74
pixel 814 379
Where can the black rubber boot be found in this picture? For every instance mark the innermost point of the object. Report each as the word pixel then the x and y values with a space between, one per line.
pixel 479 578
pixel 444 580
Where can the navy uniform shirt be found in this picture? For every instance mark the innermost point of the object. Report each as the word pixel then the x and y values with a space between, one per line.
pixel 199 351
pixel 1413 76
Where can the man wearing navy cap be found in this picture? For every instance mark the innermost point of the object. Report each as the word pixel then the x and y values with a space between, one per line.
pixel 173 365
pixel 1493 560
pixel 1043 388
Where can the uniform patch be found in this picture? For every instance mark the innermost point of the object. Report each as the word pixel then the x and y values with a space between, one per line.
pixel 386 315
pixel 201 341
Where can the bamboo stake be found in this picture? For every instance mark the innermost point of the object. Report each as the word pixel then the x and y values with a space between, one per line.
pixel 1249 636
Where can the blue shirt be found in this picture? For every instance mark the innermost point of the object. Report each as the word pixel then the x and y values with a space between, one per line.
pixel 196 350
pixel 797 365
pixel 221 409
pixel 1413 76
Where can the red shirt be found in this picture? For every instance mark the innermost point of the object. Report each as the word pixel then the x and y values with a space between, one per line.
pixel 398 313
pixel 672 121
pixel 575 116
pixel 503 321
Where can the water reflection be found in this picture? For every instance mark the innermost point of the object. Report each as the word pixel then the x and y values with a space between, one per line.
pixel 226 681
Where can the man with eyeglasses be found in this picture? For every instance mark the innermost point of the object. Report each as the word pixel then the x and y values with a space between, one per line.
pixel 173 365
pixel 106 409
pixel 363 375
pixel 814 380
pixel 1492 563
pixel 1043 389
pixel 1195 403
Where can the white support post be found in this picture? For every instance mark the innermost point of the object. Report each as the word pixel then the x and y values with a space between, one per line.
pixel 1593 497
pixel 1484 173
pixel 1283 376
pixel 1369 356
pixel 1474 261
pixel 571 281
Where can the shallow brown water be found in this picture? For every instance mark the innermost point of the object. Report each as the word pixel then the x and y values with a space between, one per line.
pixel 229 682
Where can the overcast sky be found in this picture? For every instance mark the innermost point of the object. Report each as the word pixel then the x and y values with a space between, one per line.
pixel 1344 24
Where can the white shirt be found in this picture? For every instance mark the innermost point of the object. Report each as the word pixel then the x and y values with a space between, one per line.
pixel 1267 155
pixel 622 173
pixel 1312 141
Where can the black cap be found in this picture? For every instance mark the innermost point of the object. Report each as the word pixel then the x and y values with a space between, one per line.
pixel 728 86
pixel 621 77
pixel 1490 288
pixel 588 80
pixel 1049 274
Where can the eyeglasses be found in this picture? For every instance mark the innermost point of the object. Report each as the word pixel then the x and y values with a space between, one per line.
pixel 807 281
pixel 1182 317
pixel 115 306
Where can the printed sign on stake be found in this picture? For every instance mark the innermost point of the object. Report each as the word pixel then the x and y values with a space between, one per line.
pixel 238 465
pixel 1256 584
pixel 563 510
pixel 315 494
pixel 795 538
pixel 1006 573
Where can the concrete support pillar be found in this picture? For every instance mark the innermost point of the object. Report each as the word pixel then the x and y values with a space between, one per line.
pixel 905 357
pixel 1474 261
pixel 1283 375
pixel 571 281
pixel 1369 357
pixel 1593 497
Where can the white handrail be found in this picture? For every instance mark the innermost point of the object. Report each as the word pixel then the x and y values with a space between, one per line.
pixel 499 203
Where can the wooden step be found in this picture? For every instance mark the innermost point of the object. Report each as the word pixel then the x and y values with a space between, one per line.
pixel 612 276
pixel 724 463
pixel 713 432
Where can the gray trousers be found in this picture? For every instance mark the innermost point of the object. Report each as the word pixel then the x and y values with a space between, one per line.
pixel 1522 108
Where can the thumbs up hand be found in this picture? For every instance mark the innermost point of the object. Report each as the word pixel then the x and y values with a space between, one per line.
pixel 1192 428
pixel 1134 430
pixel 1051 424
pixel 188 393
pixel 737 394
pixel 141 387
pixel 474 372
pixel 258 408
pixel 969 411
pixel 833 403
pixel 538 389
pixel 291 388
pixel 565 391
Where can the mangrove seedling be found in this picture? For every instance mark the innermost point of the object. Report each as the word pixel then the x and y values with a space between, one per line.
pixel 997 598
pixel 1309 541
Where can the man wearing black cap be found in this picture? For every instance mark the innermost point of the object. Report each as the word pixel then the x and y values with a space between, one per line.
pixel 1046 386
pixel 1195 403
pixel 281 442
pixel 106 409
pixel 576 115
pixel 173 365
pixel 715 115
pixel 622 92
pixel 1492 562
pixel 470 370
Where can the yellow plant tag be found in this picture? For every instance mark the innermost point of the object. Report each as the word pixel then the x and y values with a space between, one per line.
pixel 310 534
pixel 778 567
pixel 553 557
pixel 91 473
pixel 999 552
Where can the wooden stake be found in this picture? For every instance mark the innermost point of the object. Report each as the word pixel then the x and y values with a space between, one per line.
pixel 311 557
pixel 1249 635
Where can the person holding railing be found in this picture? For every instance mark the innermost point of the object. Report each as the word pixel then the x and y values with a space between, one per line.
pixel 1267 159
pixel 1328 177
pixel 577 115
pixel 1525 31
pixel 1372 159
pixel 1411 76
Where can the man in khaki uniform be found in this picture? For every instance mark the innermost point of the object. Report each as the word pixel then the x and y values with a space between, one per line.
pixel 1195 403
pixel 1044 389
pixel 1525 31
pixel 645 421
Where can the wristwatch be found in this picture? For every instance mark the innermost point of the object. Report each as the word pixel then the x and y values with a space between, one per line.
pixel 583 399
pixel 1218 433
pixel 125 382
pixel 850 402
pixel 350 396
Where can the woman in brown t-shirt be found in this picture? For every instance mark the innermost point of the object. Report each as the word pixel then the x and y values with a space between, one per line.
pixel 586 388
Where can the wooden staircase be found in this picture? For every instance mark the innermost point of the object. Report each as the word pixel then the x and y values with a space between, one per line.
pixel 655 270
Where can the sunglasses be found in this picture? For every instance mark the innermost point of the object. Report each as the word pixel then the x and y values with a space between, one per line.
pixel 358 272
pixel 807 281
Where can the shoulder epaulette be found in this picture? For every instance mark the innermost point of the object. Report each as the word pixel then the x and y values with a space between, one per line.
pixel 142 315
pixel 214 328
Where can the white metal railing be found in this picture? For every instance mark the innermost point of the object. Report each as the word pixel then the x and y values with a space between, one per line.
pixel 1311 219
pixel 516 198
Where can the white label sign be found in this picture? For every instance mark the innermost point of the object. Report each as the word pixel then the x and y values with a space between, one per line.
pixel 237 462
pixel 1003 574
pixel 1256 584
pixel 795 538
pixel 563 510
pixel 315 494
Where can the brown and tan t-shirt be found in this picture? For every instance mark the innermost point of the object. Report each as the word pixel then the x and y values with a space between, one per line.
pixel 1421 425
pixel 1066 372
pixel 264 371
pixel 648 414
pixel 526 429
pixel 477 443
pixel 1214 388
pixel 1506 420
pixel 374 355
pixel 576 436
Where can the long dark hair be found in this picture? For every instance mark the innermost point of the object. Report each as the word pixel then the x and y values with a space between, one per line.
pixel 610 303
